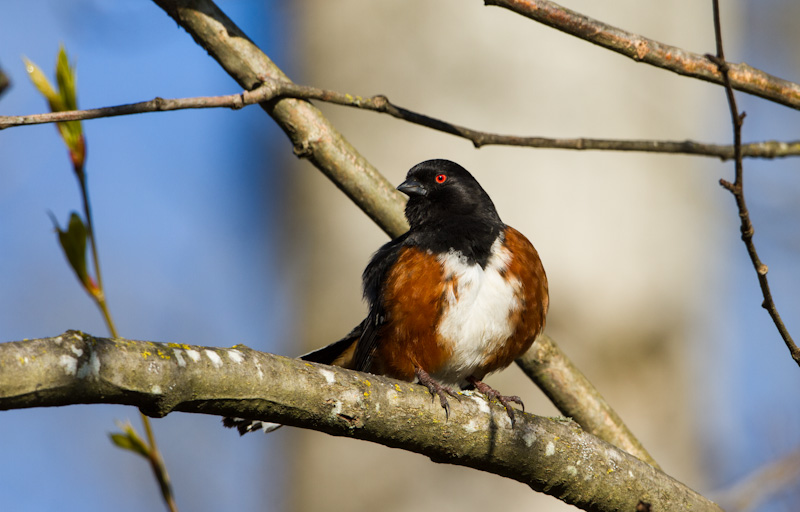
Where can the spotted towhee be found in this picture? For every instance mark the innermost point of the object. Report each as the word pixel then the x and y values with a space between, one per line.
pixel 458 296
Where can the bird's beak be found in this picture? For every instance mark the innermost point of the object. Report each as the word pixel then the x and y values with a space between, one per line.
pixel 412 187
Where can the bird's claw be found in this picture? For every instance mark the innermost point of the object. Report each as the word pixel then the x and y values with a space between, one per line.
pixel 491 393
pixel 437 389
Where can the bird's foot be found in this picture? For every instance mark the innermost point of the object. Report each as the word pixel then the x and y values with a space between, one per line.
pixel 491 393
pixel 436 389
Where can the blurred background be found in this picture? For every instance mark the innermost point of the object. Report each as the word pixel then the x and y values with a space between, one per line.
pixel 211 232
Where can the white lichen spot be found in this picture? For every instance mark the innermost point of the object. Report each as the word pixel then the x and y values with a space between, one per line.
pixel 235 356
pixel 193 355
pixel 179 357
pixel 69 363
pixel 550 449
pixel 214 358
pixel 483 405
pixel 330 377
pixel 572 470
pixel 156 390
pixel 77 351
pixel 529 438
pixel 337 407
pixel 91 368
pixel 473 426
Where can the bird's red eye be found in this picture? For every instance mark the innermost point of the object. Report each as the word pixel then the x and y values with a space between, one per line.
pixel 441 178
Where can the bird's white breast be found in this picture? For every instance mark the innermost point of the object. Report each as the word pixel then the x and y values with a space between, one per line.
pixel 477 310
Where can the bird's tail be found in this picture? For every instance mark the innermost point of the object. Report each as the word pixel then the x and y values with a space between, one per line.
pixel 339 353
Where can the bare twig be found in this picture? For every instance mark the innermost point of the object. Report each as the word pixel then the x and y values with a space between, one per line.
pixel 158 466
pixel 552 456
pixel 765 482
pixel 737 189
pixel 272 89
pixel 233 101
pixel 741 76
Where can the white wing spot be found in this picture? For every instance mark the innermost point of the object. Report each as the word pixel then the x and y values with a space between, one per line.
pixel 77 351
pixel 156 390
pixel 550 449
pixel 193 355
pixel 214 357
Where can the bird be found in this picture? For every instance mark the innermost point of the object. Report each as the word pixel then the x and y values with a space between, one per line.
pixel 458 296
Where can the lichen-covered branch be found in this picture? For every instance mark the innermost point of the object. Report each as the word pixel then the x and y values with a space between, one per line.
pixel 550 456
pixel 641 49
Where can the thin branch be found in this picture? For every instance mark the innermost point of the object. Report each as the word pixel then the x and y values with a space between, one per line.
pixel 232 101
pixel 641 49
pixel 550 456
pixel 271 90
pixel 572 393
pixel 737 189
pixel 762 484
pixel 307 128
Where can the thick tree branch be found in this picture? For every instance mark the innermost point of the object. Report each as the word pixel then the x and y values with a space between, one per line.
pixel 272 89
pixel 311 133
pixel 742 77
pixel 304 124
pixel 550 456
pixel 737 189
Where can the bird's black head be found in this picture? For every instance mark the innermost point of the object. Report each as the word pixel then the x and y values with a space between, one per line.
pixel 440 191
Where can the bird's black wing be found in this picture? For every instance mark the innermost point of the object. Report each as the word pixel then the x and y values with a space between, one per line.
pixel 373 280
pixel 329 353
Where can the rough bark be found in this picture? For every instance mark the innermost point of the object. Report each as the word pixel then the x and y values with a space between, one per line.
pixel 550 455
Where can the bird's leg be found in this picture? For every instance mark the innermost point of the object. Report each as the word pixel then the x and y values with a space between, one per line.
pixel 436 388
pixel 490 393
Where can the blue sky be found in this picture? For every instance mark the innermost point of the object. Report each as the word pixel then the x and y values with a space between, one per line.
pixel 186 207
